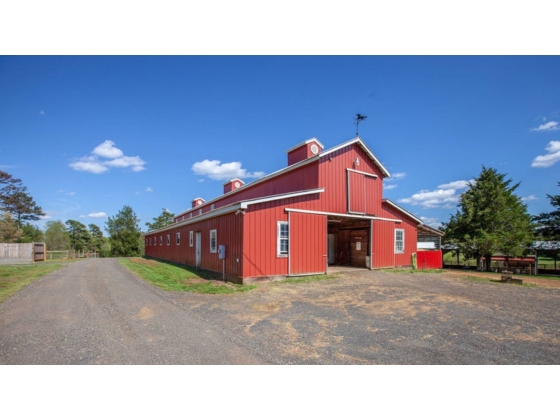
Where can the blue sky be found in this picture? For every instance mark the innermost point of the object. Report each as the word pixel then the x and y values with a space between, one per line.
pixel 90 134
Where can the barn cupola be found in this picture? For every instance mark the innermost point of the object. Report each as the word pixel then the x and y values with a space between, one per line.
pixel 197 202
pixel 305 150
pixel 233 185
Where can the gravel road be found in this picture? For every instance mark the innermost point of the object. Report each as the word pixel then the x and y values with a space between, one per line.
pixel 96 312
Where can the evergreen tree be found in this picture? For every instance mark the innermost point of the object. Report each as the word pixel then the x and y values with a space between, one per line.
pixel 124 233
pixel 32 233
pixel 548 224
pixel 490 219
pixel 79 235
pixel 164 219
pixel 56 236
pixel 97 239
pixel 15 200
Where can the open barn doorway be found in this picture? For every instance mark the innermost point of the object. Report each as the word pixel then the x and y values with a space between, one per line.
pixel 349 242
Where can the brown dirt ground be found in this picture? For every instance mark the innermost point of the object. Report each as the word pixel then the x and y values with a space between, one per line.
pixel 540 282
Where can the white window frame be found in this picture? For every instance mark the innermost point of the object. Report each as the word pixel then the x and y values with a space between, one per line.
pixel 191 237
pixel 178 238
pixel 160 239
pixel 397 250
pixel 214 244
pixel 168 240
pixel 282 237
pixel 150 241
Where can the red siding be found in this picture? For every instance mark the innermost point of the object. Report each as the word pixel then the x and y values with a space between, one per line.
pixel 429 260
pixel 251 237
pixel 308 243
pixel 229 233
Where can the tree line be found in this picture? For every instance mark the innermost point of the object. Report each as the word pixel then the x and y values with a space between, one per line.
pixel 491 219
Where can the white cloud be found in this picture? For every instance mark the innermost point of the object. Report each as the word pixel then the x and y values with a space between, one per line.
pixel 553 156
pixel 108 150
pixel 45 217
pixel 396 176
pixel 431 221
pixel 457 185
pixel 445 196
pixel 223 172
pixel 149 189
pixel 41 112
pixel 112 158
pixel 549 126
pixel 98 215
pixel 89 164
pixel 530 198
pixel 389 187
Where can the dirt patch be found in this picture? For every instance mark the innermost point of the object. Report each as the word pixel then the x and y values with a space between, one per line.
pixel 496 276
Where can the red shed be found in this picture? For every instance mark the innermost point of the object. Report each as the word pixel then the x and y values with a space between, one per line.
pixel 325 208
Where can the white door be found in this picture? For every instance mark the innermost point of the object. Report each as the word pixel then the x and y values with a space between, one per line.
pixel 198 248
pixel 332 248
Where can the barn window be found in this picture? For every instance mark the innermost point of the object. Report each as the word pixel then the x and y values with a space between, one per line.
pixel 168 240
pixel 178 239
pixel 212 207
pixel 161 240
pixel 191 238
pixel 399 241
pixel 213 240
pixel 150 241
pixel 282 239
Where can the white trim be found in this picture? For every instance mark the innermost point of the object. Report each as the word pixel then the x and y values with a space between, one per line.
pixel 352 216
pixel 245 204
pixel 363 173
pixel 297 146
pixel 213 251
pixel 168 239
pixel 232 180
pixel 278 238
pixel 195 219
pixel 178 238
pixel 385 200
pixel 395 245
pixel 364 147
pixel 191 238
pixel 264 178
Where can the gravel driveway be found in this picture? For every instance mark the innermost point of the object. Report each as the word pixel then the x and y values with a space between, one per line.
pixel 96 312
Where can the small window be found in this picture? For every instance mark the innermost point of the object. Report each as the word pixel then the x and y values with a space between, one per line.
pixel 200 211
pixel 283 239
pixel 213 241
pixel 212 207
pixel 190 214
pixel 161 240
pixel 178 239
pixel 150 241
pixel 399 241
pixel 191 234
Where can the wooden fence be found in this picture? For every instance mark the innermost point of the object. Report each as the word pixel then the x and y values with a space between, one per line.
pixel 35 251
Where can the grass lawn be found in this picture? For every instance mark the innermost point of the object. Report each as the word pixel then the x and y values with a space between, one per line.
pixel 15 277
pixel 309 279
pixel 178 278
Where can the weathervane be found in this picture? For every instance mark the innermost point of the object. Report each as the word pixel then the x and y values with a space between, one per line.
pixel 357 121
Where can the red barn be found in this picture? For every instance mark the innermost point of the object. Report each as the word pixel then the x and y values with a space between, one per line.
pixel 325 208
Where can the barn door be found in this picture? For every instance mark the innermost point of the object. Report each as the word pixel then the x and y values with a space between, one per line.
pixel 307 244
pixel 356 192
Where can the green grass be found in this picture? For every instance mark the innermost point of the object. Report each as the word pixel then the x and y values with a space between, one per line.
pixel 16 277
pixel 178 278
pixel 411 271
pixel 309 279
